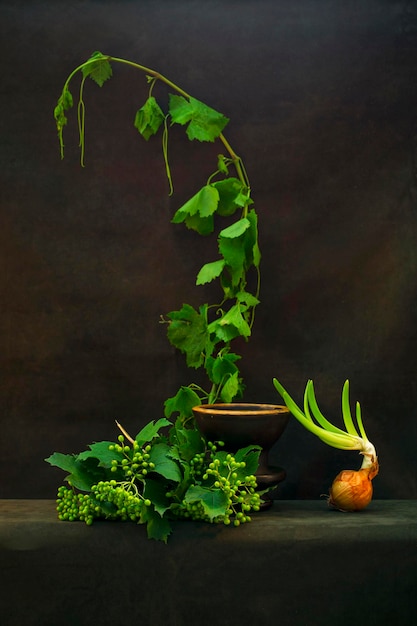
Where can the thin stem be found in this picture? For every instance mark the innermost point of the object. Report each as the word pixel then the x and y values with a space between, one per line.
pixel 128 437
pixel 165 155
pixel 81 122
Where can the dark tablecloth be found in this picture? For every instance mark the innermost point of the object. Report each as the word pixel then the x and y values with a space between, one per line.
pixel 298 564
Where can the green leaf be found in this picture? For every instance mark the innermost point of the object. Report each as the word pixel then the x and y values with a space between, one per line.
pixel 234 318
pixel 253 254
pixel 151 430
pixel 155 490
pixel 231 388
pixel 66 462
pixel 231 193
pixel 214 501
pixel 157 527
pixel 234 254
pixel 149 118
pixel 183 402
pixel 101 452
pixel 235 230
pixel 223 332
pixel 99 70
pixel 247 298
pixel 189 442
pixel 250 455
pixel 210 271
pixel 204 123
pixel 164 465
pixel 82 474
pixel 65 102
pixel 202 225
pixel 203 203
pixel 187 331
pixel 180 109
pixel 238 244
pixel 222 366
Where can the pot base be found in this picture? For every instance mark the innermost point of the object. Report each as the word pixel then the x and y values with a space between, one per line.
pixel 269 478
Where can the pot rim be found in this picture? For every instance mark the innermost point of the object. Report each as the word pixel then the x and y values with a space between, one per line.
pixel 241 408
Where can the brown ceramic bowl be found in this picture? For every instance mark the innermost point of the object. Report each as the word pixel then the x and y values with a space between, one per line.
pixel 242 424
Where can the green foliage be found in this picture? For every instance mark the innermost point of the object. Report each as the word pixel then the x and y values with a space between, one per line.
pixel 204 123
pixel 160 477
pixel 150 431
pixel 197 213
pixel 169 476
pixel 196 332
pixel 187 331
pixel 98 69
pixel 149 118
pixel 182 403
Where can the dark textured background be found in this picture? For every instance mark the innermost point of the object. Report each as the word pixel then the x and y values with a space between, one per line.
pixel 322 98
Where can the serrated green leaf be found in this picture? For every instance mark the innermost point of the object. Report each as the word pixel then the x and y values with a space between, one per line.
pixel 149 118
pixel 101 452
pixel 183 402
pixel 157 527
pixel 189 442
pixel 180 109
pixel 250 455
pixel 202 225
pixel 164 464
pixel 235 230
pixel 203 203
pixel 214 501
pixel 156 492
pixel 230 190
pixel 65 102
pixel 151 430
pixel 66 462
pixel 234 253
pixel 82 474
pixel 222 366
pixel 230 388
pixel 99 70
pixel 187 331
pixel 223 333
pixel 204 123
pixel 247 298
pixel 210 271
pixel 234 318
pixel 243 199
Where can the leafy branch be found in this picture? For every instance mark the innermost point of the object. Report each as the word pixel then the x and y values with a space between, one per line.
pixel 205 334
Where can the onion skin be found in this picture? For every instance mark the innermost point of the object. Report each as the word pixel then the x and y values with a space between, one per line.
pixel 352 490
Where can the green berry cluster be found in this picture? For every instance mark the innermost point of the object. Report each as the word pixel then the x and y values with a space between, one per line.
pixel 224 474
pixel 73 506
pixel 112 499
pixel 127 502
pixel 198 466
pixel 135 464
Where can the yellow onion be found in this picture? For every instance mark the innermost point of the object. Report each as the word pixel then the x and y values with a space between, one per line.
pixel 352 490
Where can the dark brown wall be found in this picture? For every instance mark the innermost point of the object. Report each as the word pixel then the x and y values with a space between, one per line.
pixel 322 98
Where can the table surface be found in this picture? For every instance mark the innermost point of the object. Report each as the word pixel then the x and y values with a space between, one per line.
pixel 297 564
pixel 286 520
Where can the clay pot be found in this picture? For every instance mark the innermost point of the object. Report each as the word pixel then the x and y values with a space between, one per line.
pixel 242 424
